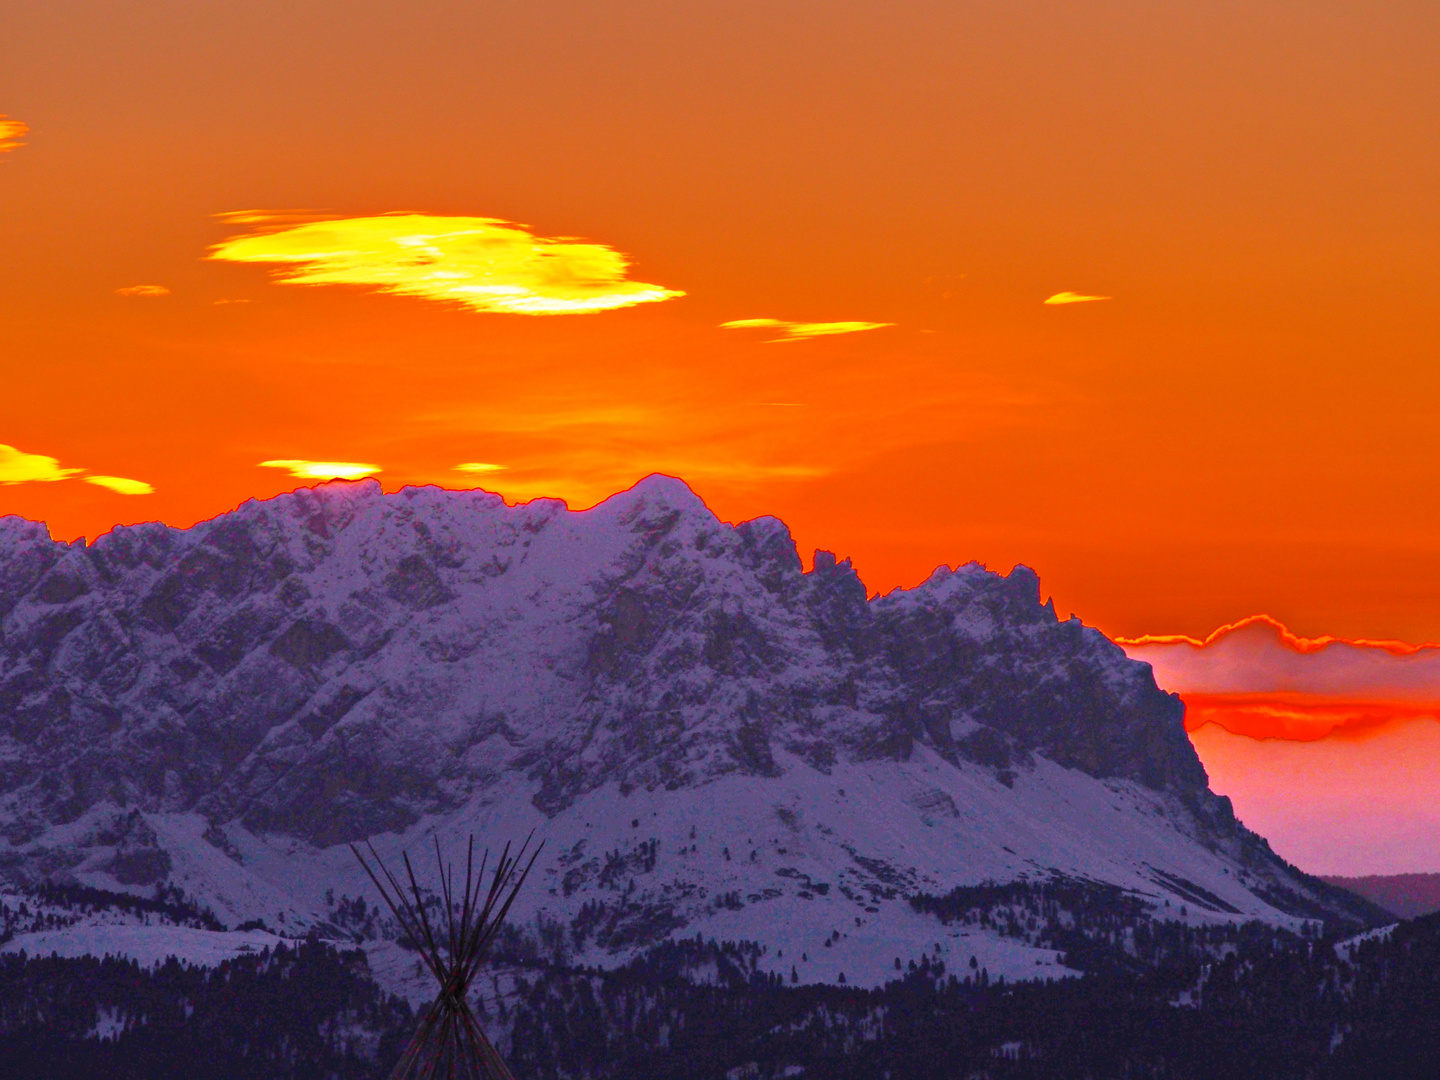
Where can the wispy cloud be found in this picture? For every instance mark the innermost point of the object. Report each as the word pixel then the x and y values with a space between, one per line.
pixel 1074 298
pixel 483 263
pixel 143 290
pixel 478 467
pixel 11 132
pixel 800 331
pixel 323 470
pixel 18 467
pixel 121 485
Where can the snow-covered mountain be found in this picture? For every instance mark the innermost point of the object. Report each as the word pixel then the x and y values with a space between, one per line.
pixel 709 739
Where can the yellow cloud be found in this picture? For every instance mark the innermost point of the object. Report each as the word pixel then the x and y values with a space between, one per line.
pixel 483 263
pixel 323 470
pixel 800 331
pixel 143 290
pixel 18 467
pixel 478 467
pixel 11 132
pixel 1074 298
pixel 121 485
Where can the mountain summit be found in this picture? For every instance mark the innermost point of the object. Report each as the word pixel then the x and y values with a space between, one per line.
pixel 712 739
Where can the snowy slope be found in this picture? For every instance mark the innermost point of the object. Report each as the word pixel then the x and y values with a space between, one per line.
pixel 150 945
pixel 708 739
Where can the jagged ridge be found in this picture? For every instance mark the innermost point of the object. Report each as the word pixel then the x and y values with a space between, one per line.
pixel 338 663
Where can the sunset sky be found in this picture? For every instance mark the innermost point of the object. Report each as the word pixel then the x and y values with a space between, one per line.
pixel 1140 294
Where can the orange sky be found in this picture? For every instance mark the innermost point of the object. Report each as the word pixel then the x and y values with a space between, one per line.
pixel 1245 423
pixel 1246 426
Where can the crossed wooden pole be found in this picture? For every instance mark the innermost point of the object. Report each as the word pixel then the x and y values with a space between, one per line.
pixel 449 1043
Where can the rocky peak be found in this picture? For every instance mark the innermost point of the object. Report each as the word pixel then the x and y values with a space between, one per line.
pixel 337 660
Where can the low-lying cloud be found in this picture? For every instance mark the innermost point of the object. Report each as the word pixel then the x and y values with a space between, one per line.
pixel 1256 678
pixel 800 331
pixel 485 264
pixel 323 470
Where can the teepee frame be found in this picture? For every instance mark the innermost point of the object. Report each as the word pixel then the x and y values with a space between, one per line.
pixel 449 1044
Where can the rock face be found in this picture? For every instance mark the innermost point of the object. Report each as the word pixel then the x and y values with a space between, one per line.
pixel 336 664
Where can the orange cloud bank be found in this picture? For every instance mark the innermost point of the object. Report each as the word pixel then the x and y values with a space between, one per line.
pixel 1296 717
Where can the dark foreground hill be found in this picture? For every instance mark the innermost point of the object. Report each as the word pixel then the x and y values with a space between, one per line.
pixel 1228 1003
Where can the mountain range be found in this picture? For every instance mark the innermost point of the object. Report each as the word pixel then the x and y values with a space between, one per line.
pixel 708 738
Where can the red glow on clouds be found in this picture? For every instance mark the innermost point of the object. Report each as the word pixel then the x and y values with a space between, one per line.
pixel 1292 640
pixel 1328 746
pixel 1297 717
pixel 1256 678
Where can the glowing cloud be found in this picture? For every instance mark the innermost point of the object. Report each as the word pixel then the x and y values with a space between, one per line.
pixel 11 132
pixel 800 331
pixel 1296 717
pixel 478 467
pixel 18 467
pixel 1294 642
pixel 143 290
pixel 1256 678
pixel 483 263
pixel 1074 298
pixel 323 470
pixel 121 485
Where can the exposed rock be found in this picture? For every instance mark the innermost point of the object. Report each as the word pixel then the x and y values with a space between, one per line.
pixel 337 663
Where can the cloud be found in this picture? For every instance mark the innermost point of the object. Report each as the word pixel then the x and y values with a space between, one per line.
pixel 121 485
pixel 1292 641
pixel 482 263
pixel 478 467
pixel 800 331
pixel 1297 717
pixel 143 290
pixel 11 132
pixel 18 467
pixel 323 470
pixel 1074 298
pixel 1254 677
